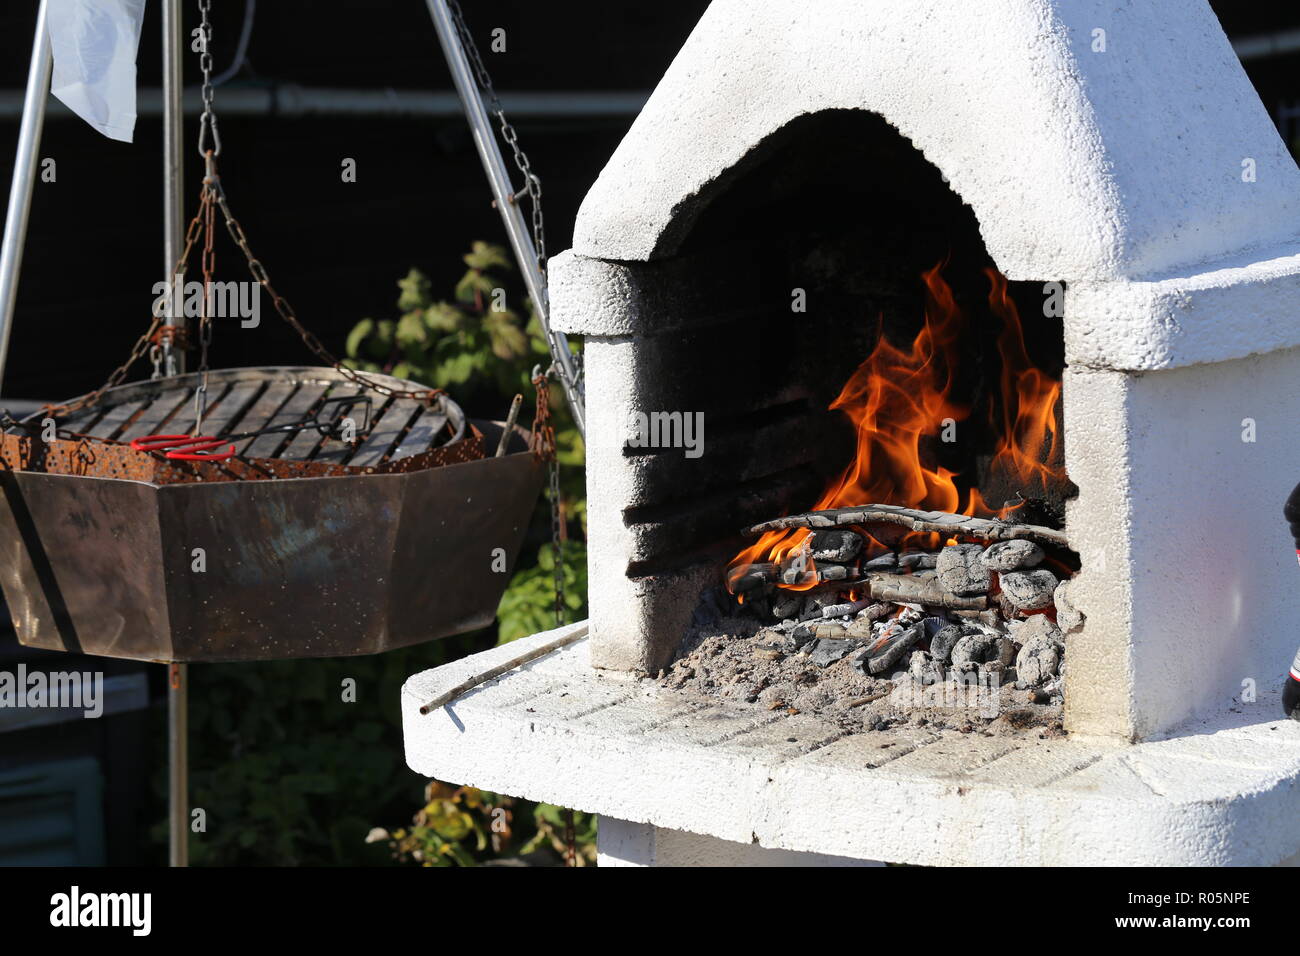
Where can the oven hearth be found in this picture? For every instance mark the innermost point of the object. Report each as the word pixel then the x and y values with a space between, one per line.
pixel 861 624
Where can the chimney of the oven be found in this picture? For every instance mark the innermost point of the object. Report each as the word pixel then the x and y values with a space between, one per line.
pixel 1116 147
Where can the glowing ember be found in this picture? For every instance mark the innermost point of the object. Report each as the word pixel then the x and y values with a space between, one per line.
pixel 900 399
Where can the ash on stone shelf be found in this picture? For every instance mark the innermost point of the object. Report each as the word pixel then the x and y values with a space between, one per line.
pixel 966 635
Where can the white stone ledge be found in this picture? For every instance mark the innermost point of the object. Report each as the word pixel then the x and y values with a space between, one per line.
pixel 1227 311
pixel 1223 792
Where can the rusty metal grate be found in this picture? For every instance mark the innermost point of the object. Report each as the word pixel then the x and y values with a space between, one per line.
pixel 404 434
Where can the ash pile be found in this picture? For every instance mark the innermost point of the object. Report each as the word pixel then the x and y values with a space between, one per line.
pixel 977 623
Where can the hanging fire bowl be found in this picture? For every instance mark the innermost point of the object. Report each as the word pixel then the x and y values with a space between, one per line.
pixel 300 546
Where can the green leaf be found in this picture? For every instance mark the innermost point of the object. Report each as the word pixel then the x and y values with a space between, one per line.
pixel 472 282
pixel 484 256
pixel 415 291
pixel 444 317
pixel 411 329
pixel 358 335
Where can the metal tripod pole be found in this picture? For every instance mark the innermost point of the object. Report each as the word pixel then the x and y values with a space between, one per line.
pixel 26 164
pixel 498 175
pixel 174 364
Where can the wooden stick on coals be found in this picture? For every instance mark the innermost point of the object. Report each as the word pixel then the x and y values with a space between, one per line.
pixel 990 529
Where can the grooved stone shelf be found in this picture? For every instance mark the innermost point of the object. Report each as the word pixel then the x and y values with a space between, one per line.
pixel 1220 792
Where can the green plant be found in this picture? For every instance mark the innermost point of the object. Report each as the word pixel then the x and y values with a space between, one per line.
pixel 484 353
pixel 290 766
pixel 474 341
pixel 528 605
pixel 465 826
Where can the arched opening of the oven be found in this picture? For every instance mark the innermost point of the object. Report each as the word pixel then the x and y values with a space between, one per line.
pixel 863 350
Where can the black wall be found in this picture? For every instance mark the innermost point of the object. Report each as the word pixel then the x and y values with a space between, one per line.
pixel 334 250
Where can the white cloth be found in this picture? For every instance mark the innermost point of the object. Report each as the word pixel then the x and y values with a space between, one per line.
pixel 94 44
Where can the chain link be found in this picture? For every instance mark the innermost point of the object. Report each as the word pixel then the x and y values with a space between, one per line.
pixel 208 119
pixel 543 444
pixel 286 312
pixel 143 345
pixel 532 185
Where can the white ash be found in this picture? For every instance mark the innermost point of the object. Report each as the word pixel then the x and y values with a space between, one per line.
pixel 1068 617
pixel 986 614
pixel 739 662
pixel 1028 590
pixel 837 546
pixel 961 571
pixel 1012 555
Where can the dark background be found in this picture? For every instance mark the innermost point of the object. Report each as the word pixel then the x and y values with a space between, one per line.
pixel 334 249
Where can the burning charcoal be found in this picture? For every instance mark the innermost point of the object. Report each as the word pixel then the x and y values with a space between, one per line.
pixel 973 650
pixel 833 630
pixel 917 560
pixel 910 616
pixel 888 649
pixel 1035 627
pixel 814 604
pixel 1006 610
pixel 1067 615
pixel 920 590
pixel 860 629
pixel 933 625
pixel 1039 659
pixel 1006 651
pixel 845 610
pixel 1011 555
pixel 995 668
pixel 753 577
pixel 786 604
pixel 798 637
pixel 1028 590
pixel 884 562
pixel 837 546
pixel 924 668
pixel 944 641
pixel 825 652
pixel 875 612
pixel 833 572
pixel 960 570
pixel 794 573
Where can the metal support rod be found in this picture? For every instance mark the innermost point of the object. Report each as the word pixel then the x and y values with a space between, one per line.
pixel 516 228
pixel 178 757
pixel 173 164
pixel 26 164
pixel 173 364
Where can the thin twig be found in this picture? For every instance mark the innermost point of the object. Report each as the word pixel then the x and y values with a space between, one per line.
pixel 470 683
pixel 510 425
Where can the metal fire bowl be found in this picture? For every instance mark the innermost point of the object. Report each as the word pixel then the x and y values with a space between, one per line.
pixel 297 567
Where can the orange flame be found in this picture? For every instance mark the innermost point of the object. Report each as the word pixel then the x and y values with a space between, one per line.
pixel 900 400
pixel 1027 441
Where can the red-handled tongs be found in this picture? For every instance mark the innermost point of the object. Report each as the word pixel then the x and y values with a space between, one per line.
pixel 185 447
pixel 326 421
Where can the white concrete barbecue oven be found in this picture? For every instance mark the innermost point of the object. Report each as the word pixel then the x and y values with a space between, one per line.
pixel 1117 148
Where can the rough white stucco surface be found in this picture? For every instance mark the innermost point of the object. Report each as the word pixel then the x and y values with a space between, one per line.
pixel 620 843
pixel 1189 582
pixel 1221 792
pixel 1080 164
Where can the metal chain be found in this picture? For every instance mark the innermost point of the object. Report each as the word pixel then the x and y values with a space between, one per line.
pixel 543 442
pixel 208 119
pixel 286 312
pixel 532 185
pixel 143 345
pixel 544 432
